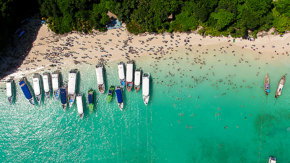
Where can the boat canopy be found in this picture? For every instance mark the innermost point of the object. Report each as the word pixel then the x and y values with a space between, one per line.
pixel 45 83
pixel 72 77
pixel 63 95
pixel 80 104
pixel 9 89
pixel 25 90
pixel 145 86
pixel 119 95
pixel 55 83
pixel 137 77
pixel 121 71
pixel 129 73
pixel 36 86
pixel 91 98
pixel 99 72
pixel 280 87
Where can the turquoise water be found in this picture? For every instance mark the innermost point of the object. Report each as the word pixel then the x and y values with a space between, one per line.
pixel 196 114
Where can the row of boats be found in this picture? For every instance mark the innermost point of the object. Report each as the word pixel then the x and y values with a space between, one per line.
pixel 279 88
pixel 67 92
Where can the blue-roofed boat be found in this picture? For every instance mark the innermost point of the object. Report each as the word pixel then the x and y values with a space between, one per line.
pixel 37 87
pixel 63 97
pixel 91 100
pixel 26 91
pixel 119 98
pixel 121 74
pixel 10 90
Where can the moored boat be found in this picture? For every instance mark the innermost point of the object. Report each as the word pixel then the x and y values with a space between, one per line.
pixel 46 84
pixel 37 88
pixel 10 90
pixel 272 159
pixel 121 74
pixel 119 98
pixel 91 100
pixel 129 75
pixel 100 78
pixel 26 91
pixel 145 87
pixel 55 84
pixel 72 84
pixel 280 86
pixel 63 97
pixel 137 80
pixel 267 84
pixel 80 105
pixel 110 94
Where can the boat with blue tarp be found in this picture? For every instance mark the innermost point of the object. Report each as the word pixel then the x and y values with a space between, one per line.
pixel 63 97
pixel 26 91
pixel 91 100
pixel 119 98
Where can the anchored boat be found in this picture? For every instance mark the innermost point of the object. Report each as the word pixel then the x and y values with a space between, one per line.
pixel 80 105
pixel 110 94
pixel 10 90
pixel 26 91
pixel 280 86
pixel 37 87
pixel 272 159
pixel 129 75
pixel 145 87
pixel 72 83
pixel 267 84
pixel 46 84
pixel 119 98
pixel 63 97
pixel 100 79
pixel 55 84
pixel 137 80
pixel 91 100
pixel 121 74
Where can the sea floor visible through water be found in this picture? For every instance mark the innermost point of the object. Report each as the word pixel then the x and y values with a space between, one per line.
pixel 209 112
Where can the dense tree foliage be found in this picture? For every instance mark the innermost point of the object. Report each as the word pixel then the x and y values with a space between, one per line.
pixel 217 17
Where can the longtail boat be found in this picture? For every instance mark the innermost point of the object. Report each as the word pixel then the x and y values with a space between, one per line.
pixel 56 84
pixel 267 84
pixel 145 87
pixel 110 94
pixel 137 80
pixel 121 74
pixel 91 100
pixel 80 105
pixel 280 86
pixel 46 84
pixel 26 90
pixel 10 90
pixel 129 75
pixel 72 85
pixel 100 78
pixel 37 87
pixel 119 98
pixel 63 97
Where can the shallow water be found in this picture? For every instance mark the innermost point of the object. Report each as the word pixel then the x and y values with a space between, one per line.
pixel 203 115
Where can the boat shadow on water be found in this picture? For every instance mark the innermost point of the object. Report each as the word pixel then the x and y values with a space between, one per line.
pixel 14 93
pixel 105 80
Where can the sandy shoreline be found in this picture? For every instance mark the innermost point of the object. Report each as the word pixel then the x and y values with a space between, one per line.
pixel 117 44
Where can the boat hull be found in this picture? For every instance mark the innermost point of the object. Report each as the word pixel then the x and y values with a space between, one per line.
pixel 31 101
pixel 146 99
pixel 47 94
pixel 71 99
pixel 120 105
pixel 81 116
pixel 64 106
pixel 137 88
pixel 101 88
pixel 56 94
pixel 38 99
pixel 129 86
pixel 10 99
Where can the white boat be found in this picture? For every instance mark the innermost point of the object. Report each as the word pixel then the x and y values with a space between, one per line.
pixel 137 80
pixel 129 75
pixel 100 78
pixel 145 87
pixel 46 84
pixel 56 84
pixel 80 105
pixel 37 87
pixel 72 84
pixel 10 90
pixel 272 159
pixel 121 74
